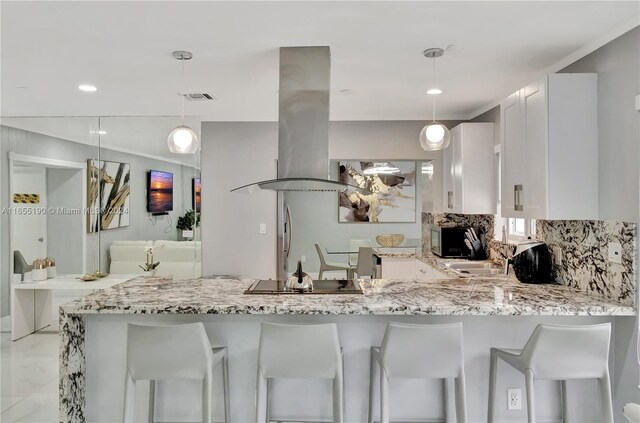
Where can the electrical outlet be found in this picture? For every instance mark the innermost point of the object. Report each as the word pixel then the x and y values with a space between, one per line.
pixel 615 252
pixel 303 259
pixel 514 399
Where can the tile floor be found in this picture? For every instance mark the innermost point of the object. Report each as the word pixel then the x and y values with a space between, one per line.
pixel 29 378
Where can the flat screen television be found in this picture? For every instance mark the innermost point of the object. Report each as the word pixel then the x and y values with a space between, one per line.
pixel 159 192
pixel 195 190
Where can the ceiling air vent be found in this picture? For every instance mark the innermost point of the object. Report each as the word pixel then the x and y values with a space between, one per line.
pixel 199 97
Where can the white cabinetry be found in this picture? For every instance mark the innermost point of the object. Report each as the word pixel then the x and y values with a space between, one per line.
pixel 468 179
pixel 549 133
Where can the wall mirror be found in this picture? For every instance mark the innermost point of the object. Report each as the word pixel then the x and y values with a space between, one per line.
pixel 99 195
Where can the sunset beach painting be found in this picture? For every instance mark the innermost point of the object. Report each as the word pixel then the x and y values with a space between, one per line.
pixel 160 197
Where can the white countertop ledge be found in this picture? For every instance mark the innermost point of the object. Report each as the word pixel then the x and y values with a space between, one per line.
pixel 456 296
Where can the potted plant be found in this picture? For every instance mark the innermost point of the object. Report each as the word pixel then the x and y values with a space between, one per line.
pixel 149 267
pixel 188 223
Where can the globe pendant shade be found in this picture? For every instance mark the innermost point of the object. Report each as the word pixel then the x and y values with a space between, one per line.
pixel 434 136
pixel 183 140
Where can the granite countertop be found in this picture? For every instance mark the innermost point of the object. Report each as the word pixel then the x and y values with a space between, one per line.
pixel 455 296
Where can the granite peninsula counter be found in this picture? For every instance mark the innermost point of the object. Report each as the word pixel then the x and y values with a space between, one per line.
pixel 456 296
pixel 100 318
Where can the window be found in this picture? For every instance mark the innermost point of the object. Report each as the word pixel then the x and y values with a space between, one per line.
pixel 520 228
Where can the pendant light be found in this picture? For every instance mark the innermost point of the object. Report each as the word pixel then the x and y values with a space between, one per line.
pixel 182 140
pixel 434 136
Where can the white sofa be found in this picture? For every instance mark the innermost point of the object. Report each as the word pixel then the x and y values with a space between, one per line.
pixel 180 259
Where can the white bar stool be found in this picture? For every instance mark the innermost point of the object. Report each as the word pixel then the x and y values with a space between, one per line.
pixel 419 352
pixel 562 353
pixel 299 351
pixel 164 352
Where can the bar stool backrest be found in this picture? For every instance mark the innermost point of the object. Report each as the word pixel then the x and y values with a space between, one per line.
pixel 422 351
pixel 161 352
pixel 568 352
pixel 299 351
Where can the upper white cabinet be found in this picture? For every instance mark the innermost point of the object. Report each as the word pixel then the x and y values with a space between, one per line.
pixel 468 178
pixel 549 133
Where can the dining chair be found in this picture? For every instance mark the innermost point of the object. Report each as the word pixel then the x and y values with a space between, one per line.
pixel 326 266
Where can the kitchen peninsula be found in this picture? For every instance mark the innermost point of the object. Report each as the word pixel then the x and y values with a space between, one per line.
pixel 94 330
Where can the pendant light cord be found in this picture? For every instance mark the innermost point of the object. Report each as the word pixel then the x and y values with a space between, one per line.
pixel 434 84
pixel 182 89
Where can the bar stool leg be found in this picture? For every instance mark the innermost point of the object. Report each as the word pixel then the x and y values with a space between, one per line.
pixel 225 383
pixel 565 407
pixel 129 393
pixel 461 398
pixel 493 373
pixel 384 397
pixel 372 375
pixel 604 385
pixel 267 396
pixel 338 396
pixel 206 397
pixel 445 399
pixel 152 399
pixel 261 400
pixel 531 404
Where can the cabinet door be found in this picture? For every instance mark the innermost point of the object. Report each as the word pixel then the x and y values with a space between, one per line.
pixel 534 133
pixel 513 153
pixel 448 175
pixel 456 144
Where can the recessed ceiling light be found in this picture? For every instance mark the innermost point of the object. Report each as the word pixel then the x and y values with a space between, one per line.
pixel 87 88
pixel 434 91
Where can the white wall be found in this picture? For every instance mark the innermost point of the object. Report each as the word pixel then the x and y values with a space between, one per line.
pixel 64 189
pixel 235 154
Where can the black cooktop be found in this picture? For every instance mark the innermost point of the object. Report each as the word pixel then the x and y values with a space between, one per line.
pixel 325 286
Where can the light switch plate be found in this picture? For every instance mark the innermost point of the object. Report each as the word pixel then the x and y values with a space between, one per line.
pixel 615 252
pixel 263 228
pixel 638 103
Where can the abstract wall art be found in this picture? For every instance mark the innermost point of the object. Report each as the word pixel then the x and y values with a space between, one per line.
pixel 393 192
pixel 108 195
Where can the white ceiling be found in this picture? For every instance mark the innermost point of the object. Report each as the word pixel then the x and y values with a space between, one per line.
pixel 142 135
pixel 125 49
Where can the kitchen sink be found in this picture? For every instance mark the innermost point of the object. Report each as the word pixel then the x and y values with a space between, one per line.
pixel 477 268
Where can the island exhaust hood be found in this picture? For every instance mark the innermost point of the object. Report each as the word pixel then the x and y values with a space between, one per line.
pixel 303 124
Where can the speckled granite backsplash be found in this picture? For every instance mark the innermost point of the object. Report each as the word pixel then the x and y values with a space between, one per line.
pixel 585 264
pixel 584 244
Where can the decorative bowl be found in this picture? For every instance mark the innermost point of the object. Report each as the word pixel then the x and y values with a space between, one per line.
pixel 390 240
pixel 88 277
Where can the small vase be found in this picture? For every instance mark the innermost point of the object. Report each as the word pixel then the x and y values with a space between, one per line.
pixel 147 273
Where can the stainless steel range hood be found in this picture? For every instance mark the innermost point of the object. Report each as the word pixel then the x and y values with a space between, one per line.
pixel 303 124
